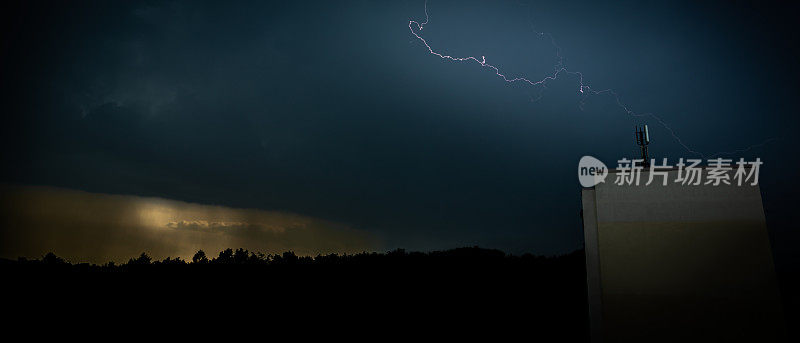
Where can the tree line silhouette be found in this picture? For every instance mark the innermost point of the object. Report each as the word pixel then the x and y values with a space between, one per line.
pixel 468 287
pixel 466 257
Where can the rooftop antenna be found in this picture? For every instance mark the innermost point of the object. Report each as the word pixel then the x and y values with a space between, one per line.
pixel 642 135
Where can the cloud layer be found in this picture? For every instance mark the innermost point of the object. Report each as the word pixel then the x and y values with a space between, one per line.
pixel 94 227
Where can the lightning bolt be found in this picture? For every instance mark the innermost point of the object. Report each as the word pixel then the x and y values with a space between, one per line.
pixel 584 89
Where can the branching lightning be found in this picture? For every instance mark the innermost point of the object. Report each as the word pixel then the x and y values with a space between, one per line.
pixel 584 89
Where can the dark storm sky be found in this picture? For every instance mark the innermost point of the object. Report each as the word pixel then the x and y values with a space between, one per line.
pixel 333 110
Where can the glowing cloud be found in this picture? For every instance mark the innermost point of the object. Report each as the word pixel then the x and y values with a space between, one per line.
pixel 82 226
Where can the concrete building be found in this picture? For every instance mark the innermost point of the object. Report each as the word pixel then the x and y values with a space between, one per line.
pixel 679 263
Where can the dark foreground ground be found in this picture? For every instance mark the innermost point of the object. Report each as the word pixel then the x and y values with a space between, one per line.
pixel 467 291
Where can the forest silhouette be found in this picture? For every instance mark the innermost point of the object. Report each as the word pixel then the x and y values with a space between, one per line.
pixel 471 288
pixel 473 258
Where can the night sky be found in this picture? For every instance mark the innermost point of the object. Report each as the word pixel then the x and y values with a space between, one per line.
pixel 239 115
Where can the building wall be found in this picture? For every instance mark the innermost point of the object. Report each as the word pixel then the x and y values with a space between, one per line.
pixel 679 262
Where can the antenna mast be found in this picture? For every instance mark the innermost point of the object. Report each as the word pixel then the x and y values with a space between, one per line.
pixel 642 135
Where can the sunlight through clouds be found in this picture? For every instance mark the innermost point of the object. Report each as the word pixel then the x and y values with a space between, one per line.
pixel 94 227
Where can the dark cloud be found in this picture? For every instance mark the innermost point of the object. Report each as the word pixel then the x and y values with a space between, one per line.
pixel 333 110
